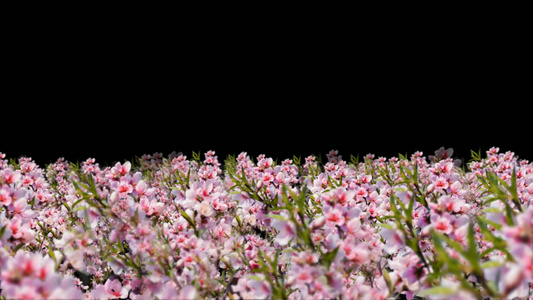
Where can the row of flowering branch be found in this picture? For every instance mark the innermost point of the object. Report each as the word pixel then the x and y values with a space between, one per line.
pixel 178 228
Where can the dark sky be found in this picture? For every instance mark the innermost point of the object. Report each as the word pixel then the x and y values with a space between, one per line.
pixel 112 109
pixel 277 128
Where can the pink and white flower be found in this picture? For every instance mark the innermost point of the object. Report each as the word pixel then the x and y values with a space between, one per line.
pixel 114 289
pixel 286 229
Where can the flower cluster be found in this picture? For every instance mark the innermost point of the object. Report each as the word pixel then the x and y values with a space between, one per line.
pixel 190 228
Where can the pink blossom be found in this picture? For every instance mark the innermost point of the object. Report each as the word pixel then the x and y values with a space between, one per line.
pixel 361 193
pixel 318 222
pixel 280 177
pixel 456 188
pixel 21 231
pixel 188 292
pixel 442 223
pixel 343 196
pixel 441 183
pixel 124 187
pixel 5 195
pixel 394 239
pixel 9 176
pixel 151 207
pixel 441 154
pixel 219 205
pixel 460 234
pixel 202 190
pixel 99 292
pixel 355 252
pixel 206 209
pixel 286 230
pixel 259 289
pixel 21 207
pixel 513 278
pixel 353 226
pixel 114 289
pixel 334 217
pixel 264 163
pixel 8 195
pixel 451 204
pixel 75 259
pixel 27 291
pixel 132 240
pixel 142 189
pixel 123 169
pixel 267 178
pixel 303 275
pixel 33 275
pixel 414 273
pixel 66 289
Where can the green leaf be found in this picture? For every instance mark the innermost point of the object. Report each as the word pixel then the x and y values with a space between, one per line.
pixel 238 220
pixel 2 230
pixel 491 264
pixel 471 255
pixel 483 224
pixel 327 258
pixel 278 208
pixel 354 160
pixel 300 202
pixel 476 156
pixel 262 256
pixel 92 186
pixel 76 203
pixel 498 242
pixel 390 284
pixel 285 197
pixel 255 277
pixel 318 209
pixel 409 211
pixel 494 185
pixel 196 156
pixel 437 290
pixel 415 174
pixel 75 166
pixel 78 189
pixel 87 221
pixel 188 219
pixel 17 247
pixel 452 264
pixel 120 246
pixel 184 183
pixel 385 225
pixel 490 210
pixel 51 253
pixel 278 217
pixel 275 262
pixel 66 205
pixel 333 182
pixel 513 191
pixel 452 243
pixel 394 208
pixel 508 213
pixel 297 160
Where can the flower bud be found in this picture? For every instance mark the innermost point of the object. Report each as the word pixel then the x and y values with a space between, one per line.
pixel 318 222
pixel 430 188
pixel 513 278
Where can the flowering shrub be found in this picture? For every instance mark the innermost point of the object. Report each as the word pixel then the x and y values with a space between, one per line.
pixel 173 227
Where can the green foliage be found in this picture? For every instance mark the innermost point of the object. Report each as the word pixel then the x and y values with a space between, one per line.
pixel 442 264
pixel 498 189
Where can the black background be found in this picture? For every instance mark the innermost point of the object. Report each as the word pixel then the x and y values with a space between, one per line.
pixel 112 103
pixel 262 120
